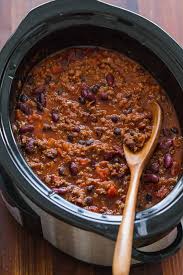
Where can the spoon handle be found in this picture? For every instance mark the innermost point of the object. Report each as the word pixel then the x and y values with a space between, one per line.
pixel 123 247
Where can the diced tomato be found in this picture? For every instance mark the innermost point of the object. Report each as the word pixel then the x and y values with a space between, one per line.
pixel 83 161
pixel 102 172
pixel 59 150
pixel 162 192
pixel 112 191
pixel 56 69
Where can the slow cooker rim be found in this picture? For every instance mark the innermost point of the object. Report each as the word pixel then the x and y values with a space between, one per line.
pixel 103 220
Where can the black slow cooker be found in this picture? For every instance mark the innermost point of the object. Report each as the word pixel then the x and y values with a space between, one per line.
pixel 85 235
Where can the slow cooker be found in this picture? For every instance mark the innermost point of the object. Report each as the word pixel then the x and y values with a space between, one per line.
pixel 87 236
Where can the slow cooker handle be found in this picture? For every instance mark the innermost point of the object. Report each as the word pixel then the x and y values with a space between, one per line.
pixel 146 257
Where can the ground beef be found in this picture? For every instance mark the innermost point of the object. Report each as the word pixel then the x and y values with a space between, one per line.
pixel 74 113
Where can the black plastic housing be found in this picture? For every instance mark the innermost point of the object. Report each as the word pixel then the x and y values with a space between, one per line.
pixel 60 24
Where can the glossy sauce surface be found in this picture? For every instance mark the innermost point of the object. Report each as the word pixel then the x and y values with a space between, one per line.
pixel 73 114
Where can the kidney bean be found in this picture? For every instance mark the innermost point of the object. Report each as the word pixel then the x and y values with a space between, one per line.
pixel 90 188
pixel 23 98
pixel 29 147
pixel 110 79
pixel 24 108
pixel 40 98
pixel 175 169
pixel 73 168
pixel 154 167
pixel 61 171
pixel 175 130
pixel 117 131
pixel 55 116
pixel 88 200
pixel 61 190
pixel 29 128
pixel 166 144
pixel 104 96
pixel 168 161
pixel 82 100
pixel 115 118
pixel 151 178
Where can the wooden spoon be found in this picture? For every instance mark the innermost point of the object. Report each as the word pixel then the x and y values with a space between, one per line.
pixel 136 163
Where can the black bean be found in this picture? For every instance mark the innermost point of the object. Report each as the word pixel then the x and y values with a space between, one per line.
pixel 61 171
pixel 175 130
pixel 89 142
pixel 151 178
pixel 82 142
pixel 55 116
pixel 95 88
pixel 110 79
pixel 40 107
pixel 82 100
pixel 90 188
pixel 24 108
pixel 29 147
pixel 154 167
pixel 23 98
pixel 148 197
pixel 117 131
pixel 168 161
pixel 115 118
pixel 104 96
pixel 29 128
pixel 88 200
pixel 73 168
pixel 70 137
